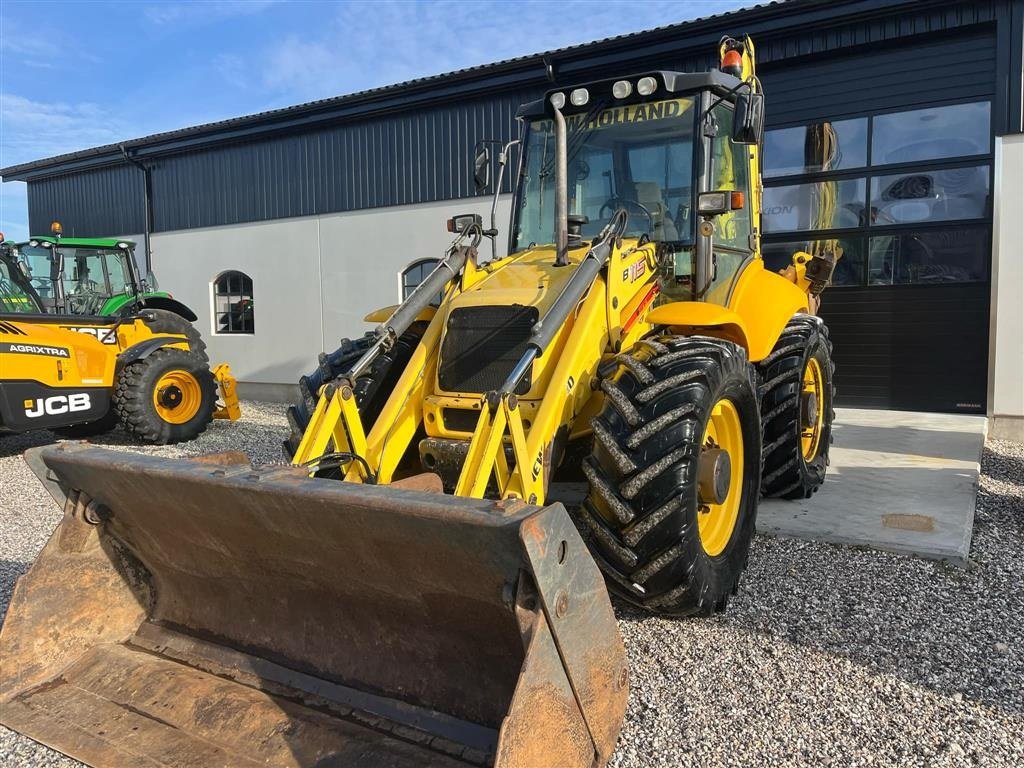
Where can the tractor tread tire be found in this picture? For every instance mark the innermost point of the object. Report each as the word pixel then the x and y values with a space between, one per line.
pixel 372 389
pixel 640 515
pixel 165 321
pixel 786 474
pixel 133 397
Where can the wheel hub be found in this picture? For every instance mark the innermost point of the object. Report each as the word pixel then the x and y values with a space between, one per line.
pixel 809 409
pixel 714 476
pixel 170 396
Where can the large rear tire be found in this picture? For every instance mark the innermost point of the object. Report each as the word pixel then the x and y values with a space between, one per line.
pixel 372 389
pixel 167 397
pixel 796 409
pixel 671 534
pixel 165 321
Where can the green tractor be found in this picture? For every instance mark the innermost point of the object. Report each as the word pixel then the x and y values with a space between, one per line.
pixel 89 276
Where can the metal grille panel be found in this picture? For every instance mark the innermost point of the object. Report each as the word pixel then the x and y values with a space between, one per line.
pixel 481 346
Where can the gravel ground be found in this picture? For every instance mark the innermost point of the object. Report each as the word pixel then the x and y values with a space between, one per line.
pixel 828 656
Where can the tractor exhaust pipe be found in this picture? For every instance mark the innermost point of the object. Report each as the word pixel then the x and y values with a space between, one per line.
pixel 561 191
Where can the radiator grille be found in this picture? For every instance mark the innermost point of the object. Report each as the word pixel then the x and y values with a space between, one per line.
pixel 482 345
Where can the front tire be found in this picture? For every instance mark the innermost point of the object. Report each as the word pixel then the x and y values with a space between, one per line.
pixel 671 534
pixel 372 389
pixel 167 397
pixel 797 410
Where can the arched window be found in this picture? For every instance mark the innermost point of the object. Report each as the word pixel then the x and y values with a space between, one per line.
pixel 232 303
pixel 415 274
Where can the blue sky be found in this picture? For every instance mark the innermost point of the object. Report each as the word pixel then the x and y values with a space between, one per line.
pixel 79 74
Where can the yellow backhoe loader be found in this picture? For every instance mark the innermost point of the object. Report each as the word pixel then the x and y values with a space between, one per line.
pixel 409 590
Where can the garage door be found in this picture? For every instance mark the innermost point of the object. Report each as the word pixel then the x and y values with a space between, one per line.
pixel 885 159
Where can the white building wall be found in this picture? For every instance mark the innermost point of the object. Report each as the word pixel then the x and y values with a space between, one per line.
pixel 1006 341
pixel 314 279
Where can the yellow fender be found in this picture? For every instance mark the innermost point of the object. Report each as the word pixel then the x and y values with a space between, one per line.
pixel 697 317
pixel 761 304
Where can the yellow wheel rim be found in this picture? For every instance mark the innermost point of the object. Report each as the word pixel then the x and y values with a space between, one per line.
pixel 715 522
pixel 812 411
pixel 177 397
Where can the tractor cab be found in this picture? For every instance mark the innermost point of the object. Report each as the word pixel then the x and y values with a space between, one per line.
pixel 80 276
pixel 90 276
pixel 677 151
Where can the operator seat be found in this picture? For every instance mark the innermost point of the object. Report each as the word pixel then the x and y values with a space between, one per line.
pixel 648 194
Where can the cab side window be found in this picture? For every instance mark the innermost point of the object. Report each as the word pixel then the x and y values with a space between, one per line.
pixel 730 167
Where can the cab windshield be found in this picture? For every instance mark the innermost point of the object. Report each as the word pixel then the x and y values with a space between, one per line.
pixel 80 279
pixel 638 157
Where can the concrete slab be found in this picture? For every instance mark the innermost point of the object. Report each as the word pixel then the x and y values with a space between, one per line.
pixel 899 481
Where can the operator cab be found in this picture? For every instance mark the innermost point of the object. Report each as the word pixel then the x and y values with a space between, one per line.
pixel 76 276
pixel 652 144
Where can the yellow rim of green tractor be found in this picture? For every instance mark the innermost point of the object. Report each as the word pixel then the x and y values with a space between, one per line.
pixel 715 522
pixel 812 411
pixel 177 397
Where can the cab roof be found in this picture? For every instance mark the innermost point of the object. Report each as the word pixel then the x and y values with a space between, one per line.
pixel 83 242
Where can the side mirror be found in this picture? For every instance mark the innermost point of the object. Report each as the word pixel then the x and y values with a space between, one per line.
pixel 748 121
pixel 482 169
pixel 463 221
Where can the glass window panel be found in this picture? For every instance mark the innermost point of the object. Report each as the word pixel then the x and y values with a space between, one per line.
pixel 818 205
pixel 850 251
pixel 824 146
pixel 233 304
pixel 117 273
pixel 930 134
pixel 729 171
pixel 415 274
pixel 935 257
pixel 945 195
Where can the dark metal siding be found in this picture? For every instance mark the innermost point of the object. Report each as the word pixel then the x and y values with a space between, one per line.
pixel 397 159
pixel 104 202
pixel 910 347
pixel 898 76
pixel 420 152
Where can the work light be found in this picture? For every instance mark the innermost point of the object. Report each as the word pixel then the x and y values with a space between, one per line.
pixel 646 86
pixel 622 89
pixel 579 97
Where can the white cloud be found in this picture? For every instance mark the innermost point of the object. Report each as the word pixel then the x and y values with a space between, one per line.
pixel 366 45
pixel 204 11
pixel 35 129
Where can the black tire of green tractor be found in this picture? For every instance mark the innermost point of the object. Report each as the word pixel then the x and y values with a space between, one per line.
pixel 165 321
pixel 133 397
pixel 106 423
pixel 787 473
pixel 640 517
pixel 372 388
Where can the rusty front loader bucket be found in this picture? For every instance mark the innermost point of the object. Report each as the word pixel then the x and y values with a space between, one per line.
pixel 203 613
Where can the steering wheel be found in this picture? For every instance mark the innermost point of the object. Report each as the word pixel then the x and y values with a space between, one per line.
pixel 614 203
